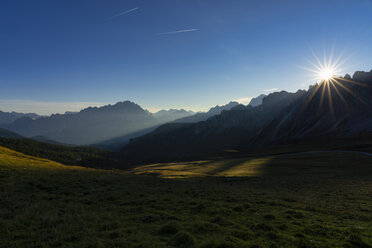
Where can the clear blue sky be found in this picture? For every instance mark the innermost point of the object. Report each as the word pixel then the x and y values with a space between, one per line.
pixel 58 55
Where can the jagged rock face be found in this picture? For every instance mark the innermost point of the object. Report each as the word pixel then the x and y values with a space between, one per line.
pixel 343 109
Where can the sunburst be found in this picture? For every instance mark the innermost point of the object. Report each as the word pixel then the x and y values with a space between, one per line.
pixel 327 74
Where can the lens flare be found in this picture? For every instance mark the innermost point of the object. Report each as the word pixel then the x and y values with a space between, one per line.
pixel 326 74
pixel 326 70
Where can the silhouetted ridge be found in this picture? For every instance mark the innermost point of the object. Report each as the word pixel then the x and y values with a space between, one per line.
pixel 7 118
pixel 125 107
pixel 172 114
pixel 111 125
pixel 8 134
pixel 257 101
pixel 204 116
pixel 228 130
pixel 342 109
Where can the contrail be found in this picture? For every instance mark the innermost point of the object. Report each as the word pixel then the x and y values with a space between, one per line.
pixel 179 31
pixel 123 13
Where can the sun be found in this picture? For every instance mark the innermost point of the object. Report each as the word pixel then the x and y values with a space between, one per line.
pixel 325 70
pixel 326 74
pixel 328 83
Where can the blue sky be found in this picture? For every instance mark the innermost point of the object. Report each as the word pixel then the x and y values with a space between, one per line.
pixel 193 54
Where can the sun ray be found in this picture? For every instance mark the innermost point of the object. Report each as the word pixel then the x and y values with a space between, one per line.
pixel 346 88
pixel 339 94
pixel 318 60
pixel 330 97
pixel 352 93
pixel 312 95
pixel 350 81
pixel 330 61
pixel 331 86
pixel 322 96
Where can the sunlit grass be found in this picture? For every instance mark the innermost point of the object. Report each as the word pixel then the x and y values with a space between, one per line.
pixel 12 158
pixel 220 168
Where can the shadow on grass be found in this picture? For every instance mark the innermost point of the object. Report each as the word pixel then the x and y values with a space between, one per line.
pixel 302 165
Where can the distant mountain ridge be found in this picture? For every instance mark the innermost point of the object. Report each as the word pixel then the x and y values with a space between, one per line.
pixel 163 116
pixel 229 130
pixel 88 126
pixel 257 101
pixel 342 109
pixel 9 134
pixel 172 114
pixel 204 116
pixel 9 117
pixel 106 126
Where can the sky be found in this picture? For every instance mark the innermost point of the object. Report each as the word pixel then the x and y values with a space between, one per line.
pixel 58 56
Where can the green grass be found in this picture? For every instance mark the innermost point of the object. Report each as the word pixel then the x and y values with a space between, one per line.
pixel 303 200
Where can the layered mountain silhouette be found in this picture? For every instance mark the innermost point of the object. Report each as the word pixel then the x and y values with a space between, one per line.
pixel 202 116
pixel 9 117
pixel 9 134
pixel 88 126
pixel 161 117
pixel 172 114
pixel 164 116
pixel 341 108
pixel 110 126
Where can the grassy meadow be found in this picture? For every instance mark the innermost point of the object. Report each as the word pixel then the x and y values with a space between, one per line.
pixel 300 200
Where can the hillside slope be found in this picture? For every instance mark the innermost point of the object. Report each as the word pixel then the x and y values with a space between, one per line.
pixel 83 156
pixel 9 134
pixel 9 157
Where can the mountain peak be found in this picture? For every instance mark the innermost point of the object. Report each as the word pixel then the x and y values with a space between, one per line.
pixel 362 76
pixel 218 109
pixel 257 101
pixel 127 107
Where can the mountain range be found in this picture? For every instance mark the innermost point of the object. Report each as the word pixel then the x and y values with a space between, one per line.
pixel 9 117
pixel 341 107
pixel 204 116
pixel 110 126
